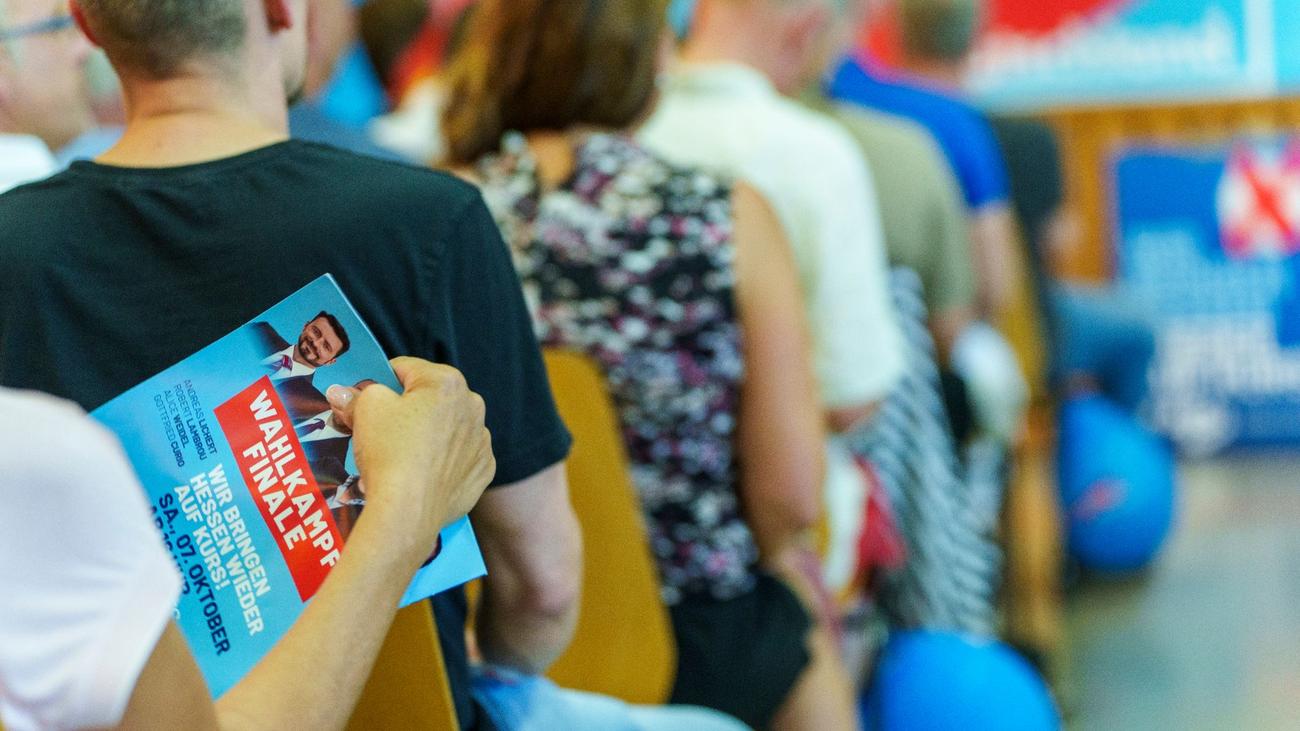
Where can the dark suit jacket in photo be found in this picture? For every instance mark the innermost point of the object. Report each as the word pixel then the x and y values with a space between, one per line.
pixel 268 339
pixel 328 461
pixel 301 398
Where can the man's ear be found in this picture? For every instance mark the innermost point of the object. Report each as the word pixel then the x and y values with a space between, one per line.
pixel 278 15
pixel 80 18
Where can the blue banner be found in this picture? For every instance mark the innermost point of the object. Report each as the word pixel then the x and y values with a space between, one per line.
pixel 1208 237
pixel 1107 51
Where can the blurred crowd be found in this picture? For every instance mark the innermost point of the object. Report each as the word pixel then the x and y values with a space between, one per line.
pixel 791 264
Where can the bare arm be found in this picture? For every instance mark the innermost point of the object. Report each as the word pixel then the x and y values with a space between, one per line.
pixel 996 257
pixel 780 433
pixel 533 549
pixel 314 676
pixel 426 457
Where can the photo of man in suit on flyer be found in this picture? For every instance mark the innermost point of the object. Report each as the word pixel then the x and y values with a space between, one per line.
pixel 325 441
pixel 292 366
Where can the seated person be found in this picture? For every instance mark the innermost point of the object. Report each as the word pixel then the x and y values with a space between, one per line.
pixel 937 37
pixel 206 213
pixel 682 288
pixel 1100 339
pixel 922 210
pixel 87 638
pixel 985 390
pixel 43 101
pixel 947 578
pixel 723 108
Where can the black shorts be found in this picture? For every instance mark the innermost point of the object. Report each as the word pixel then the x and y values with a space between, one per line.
pixel 742 656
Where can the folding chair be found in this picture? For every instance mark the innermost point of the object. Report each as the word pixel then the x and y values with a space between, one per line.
pixel 624 645
pixel 408 688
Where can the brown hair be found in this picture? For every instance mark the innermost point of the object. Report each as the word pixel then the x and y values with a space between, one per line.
pixel 529 65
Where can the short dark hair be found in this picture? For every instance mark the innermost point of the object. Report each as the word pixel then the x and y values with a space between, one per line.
pixel 337 327
pixel 159 36
pixel 549 65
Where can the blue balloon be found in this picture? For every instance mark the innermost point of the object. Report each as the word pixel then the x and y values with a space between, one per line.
pixel 938 681
pixel 1117 486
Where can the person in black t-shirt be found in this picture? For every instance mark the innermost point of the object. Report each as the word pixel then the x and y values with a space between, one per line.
pixel 205 214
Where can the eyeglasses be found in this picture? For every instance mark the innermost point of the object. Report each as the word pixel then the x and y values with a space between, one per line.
pixel 40 27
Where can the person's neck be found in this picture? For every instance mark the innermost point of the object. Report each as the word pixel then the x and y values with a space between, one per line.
pixel 194 119
pixel 556 152
pixel 727 35
pixel 943 73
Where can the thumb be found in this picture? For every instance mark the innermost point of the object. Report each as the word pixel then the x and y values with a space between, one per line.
pixel 342 402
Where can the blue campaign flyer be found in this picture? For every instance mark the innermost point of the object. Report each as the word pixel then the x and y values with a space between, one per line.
pixel 252 481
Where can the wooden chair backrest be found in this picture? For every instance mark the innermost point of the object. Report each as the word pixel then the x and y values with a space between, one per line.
pixel 624 645
pixel 408 688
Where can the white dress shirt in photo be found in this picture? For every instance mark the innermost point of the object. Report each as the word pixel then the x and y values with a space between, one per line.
pixel 319 427
pixel 282 366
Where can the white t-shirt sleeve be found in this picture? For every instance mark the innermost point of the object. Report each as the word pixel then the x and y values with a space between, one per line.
pixel 86 586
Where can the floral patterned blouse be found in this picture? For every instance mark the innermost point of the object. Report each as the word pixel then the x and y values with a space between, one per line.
pixel 630 261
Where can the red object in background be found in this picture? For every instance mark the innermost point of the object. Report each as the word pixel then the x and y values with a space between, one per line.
pixel 881 546
pixel 423 57
pixel 1042 17
pixel 882 43
pixel 301 523
pixel 419 61
pixel 1257 214
pixel 880 38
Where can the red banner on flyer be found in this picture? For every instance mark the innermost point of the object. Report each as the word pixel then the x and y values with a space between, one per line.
pixel 275 469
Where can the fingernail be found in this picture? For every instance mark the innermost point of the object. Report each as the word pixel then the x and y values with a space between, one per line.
pixel 339 396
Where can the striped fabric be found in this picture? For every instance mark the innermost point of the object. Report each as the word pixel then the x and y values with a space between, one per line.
pixel 947 515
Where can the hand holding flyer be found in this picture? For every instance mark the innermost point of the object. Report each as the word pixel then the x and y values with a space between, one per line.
pixel 257 479
pixel 399 444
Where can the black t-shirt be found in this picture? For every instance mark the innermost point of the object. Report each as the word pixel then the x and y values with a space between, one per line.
pixel 110 275
pixel 1037 190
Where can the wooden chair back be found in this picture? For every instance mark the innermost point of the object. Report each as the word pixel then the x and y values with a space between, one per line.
pixel 624 645
pixel 408 688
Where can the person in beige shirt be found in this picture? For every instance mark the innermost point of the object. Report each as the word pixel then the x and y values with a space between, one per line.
pixel 920 210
